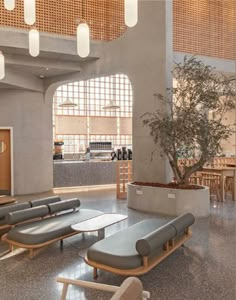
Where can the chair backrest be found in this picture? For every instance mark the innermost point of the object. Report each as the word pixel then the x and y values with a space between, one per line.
pixel 131 289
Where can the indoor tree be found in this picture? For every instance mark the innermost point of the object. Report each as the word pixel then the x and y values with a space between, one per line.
pixel 182 126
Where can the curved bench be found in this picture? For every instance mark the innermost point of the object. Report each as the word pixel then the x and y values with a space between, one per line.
pixel 139 248
pixel 54 224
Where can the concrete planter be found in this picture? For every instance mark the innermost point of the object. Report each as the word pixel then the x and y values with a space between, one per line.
pixel 169 201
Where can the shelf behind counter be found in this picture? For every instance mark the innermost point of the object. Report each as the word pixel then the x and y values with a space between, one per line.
pixel 68 173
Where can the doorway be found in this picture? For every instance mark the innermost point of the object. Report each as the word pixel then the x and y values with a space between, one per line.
pixel 5 162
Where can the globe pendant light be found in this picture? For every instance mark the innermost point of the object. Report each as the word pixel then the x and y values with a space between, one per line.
pixel 34 42
pixel 29 12
pixel 2 66
pixel 131 12
pixel 83 40
pixel 9 4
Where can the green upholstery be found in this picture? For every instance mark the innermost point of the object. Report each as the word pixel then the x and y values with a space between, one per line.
pixel 154 240
pixel 45 201
pixel 42 231
pixel 182 222
pixel 118 250
pixel 64 205
pixel 13 207
pixel 124 249
pixel 27 214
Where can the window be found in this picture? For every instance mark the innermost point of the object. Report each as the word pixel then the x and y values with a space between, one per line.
pixel 102 125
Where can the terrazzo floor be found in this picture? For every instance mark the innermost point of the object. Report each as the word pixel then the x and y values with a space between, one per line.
pixel 204 269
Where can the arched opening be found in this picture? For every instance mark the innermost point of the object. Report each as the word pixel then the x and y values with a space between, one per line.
pixel 98 121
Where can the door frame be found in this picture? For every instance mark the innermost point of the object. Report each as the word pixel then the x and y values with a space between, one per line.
pixel 12 157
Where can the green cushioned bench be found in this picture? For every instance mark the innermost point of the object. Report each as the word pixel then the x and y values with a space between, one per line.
pixel 139 248
pixel 42 225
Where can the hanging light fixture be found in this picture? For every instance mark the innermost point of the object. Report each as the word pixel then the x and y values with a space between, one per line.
pixel 2 65
pixel 67 103
pixel 34 42
pixel 83 37
pixel 29 11
pixel 111 105
pixel 131 12
pixel 9 4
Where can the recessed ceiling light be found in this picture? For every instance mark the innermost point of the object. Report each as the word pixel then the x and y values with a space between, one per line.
pixel 47 69
pixel 41 76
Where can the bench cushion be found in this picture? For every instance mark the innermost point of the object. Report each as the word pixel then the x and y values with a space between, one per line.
pixel 27 214
pixel 45 201
pixel 182 222
pixel 38 232
pixel 64 205
pixel 14 207
pixel 118 250
pixel 154 240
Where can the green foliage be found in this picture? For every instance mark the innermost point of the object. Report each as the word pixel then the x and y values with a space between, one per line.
pixel 182 125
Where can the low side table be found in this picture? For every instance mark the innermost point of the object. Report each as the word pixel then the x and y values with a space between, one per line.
pixel 99 224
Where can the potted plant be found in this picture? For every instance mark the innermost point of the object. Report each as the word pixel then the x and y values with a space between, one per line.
pixel 189 123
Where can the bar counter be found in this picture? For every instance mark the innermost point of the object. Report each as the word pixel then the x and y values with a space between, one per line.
pixel 68 173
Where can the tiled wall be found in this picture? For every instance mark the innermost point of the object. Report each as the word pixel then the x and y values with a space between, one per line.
pixel 105 17
pixel 205 27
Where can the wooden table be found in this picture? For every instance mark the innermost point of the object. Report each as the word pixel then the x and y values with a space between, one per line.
pixel 99 224
pixel 224 171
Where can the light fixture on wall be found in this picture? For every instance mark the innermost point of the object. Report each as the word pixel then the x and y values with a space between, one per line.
pixel 83 36
pixel 2 66
pixel 30 12
pixel 67 103
pixel 34 42
pixel 131 12
pixel 9 4
pixel 111 105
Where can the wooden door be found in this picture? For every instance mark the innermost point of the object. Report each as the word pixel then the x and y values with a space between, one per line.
pixel 5 162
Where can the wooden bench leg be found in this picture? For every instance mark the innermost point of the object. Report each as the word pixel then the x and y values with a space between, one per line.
pixel 166 246
pixel 64 291
pixel 187 231
pixel 61 244
pixel 95 273
pixel 11 247
pixel 171 242
pixel 31 253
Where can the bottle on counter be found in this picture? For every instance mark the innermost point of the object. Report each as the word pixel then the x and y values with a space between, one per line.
pixel 119 154
pixel 130 154
pixel 113 155
pixel 124 153
pixel 87 154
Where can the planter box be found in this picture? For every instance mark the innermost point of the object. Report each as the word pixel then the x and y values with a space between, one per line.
pixel 169 201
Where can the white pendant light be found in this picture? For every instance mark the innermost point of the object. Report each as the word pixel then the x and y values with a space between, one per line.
pixel 67 103
pixel 111 105
pixel 2 66
pixel 83 40
pixel 29 12
pixel 131 12
pixel 34 42
pixel 9 4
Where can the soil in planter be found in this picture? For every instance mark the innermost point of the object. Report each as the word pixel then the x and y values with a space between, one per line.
pixel 171 185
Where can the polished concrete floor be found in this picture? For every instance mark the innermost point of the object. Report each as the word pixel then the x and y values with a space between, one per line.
pixel 204 269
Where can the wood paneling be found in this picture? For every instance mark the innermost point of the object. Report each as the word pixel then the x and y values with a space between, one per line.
pixel 5 161
pixel 205 27
pixel 105 17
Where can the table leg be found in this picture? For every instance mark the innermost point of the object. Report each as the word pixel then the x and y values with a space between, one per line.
pixel 101 234
pixel 222 187
pixel 234 186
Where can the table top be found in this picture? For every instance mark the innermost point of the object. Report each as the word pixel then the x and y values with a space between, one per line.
pixel 99 222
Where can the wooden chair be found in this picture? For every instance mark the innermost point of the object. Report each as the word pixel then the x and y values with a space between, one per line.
pixel 212 180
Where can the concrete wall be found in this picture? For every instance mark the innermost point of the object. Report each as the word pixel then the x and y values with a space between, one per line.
pixel 144 53
pixel 30 118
